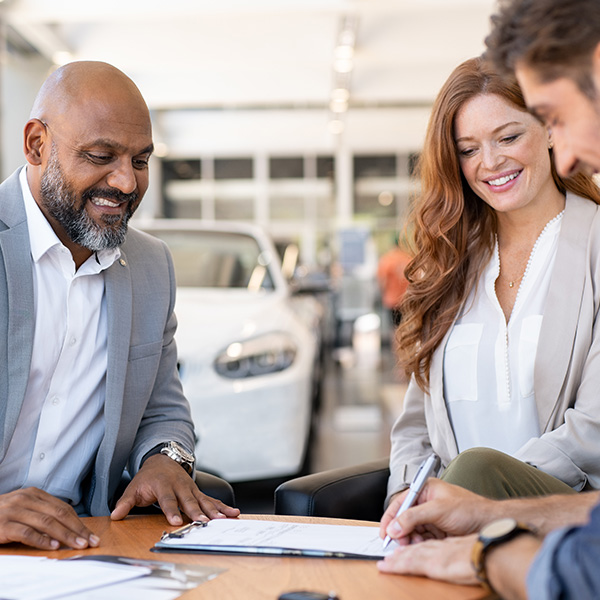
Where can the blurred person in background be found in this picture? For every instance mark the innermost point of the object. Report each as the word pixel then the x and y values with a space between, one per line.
pixel 391 279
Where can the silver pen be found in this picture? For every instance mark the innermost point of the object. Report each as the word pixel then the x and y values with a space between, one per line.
pixel 427 468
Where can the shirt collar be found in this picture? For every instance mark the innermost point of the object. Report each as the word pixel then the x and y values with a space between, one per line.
pixel 41 235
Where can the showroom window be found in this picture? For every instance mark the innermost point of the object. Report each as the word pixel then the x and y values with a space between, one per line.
pixel 375 182
pixel 181 169
pixel 234 168
pixel 375 166
pixel 286 168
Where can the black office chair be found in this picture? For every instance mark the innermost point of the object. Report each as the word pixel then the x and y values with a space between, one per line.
pixel 356 492
pixel 215 487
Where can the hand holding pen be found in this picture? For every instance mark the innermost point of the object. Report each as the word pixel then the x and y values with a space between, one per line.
pixel 427 468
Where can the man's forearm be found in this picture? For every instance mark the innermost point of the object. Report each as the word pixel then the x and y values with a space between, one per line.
pixel 551 512
pixel 507 566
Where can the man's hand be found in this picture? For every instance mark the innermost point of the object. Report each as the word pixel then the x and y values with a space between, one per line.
pixel 441 509
pixel 162 480
pixel 448 560
pixel 35 518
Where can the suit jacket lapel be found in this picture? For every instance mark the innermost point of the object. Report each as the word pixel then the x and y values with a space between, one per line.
pixel 17 306
pixel 563 306
pixel 119 311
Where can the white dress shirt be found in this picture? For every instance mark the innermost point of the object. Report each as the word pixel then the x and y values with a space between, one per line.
pixel 61 422
pixel 489 363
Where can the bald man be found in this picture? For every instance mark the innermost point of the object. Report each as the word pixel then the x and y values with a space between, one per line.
pixel 90 386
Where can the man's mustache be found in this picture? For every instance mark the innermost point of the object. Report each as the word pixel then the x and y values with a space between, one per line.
pixel 110 194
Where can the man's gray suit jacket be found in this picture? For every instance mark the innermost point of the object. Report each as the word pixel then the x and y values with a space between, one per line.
pixel 144 403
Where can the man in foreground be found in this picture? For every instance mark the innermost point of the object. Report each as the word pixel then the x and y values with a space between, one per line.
pixel 553 47
pixel 89 387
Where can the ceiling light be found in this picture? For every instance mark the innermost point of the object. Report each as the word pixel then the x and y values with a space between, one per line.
pixel 347 36
pixel 344 52
pixel 338 106
pixel 343 65
pixel 340 95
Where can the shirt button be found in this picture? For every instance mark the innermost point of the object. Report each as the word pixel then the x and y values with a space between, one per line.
pixel 56 400
pixel 73 341
pixel 42 456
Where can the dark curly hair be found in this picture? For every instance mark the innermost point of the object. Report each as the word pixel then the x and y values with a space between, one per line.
pixel 556 38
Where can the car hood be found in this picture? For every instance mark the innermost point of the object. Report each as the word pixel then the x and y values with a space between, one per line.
pixel 211 319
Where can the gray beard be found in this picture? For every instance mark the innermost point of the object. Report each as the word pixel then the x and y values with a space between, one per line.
pixel 60 201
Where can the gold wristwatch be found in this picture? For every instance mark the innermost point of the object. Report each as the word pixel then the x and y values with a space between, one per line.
pixel 491 535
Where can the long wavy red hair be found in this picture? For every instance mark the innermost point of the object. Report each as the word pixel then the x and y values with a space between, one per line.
pixel 452 228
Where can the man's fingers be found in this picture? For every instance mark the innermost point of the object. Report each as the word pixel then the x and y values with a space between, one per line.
pixel 390 514
pixel 163 481
pixel 124 505
pixel 25 534
pixel 170 507
pixel 213 508
pixel 448 560
pixel 30 536
pixel 65 527
pixel 410 520
pixel 198 506
pixel 33 517
pixel 229 511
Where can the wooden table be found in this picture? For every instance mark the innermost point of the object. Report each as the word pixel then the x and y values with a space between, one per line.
pixel 262 577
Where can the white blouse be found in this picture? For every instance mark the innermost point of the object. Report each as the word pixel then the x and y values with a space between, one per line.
pixel 489 364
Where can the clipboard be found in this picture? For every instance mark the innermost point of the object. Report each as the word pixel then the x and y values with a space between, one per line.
pixel 256 537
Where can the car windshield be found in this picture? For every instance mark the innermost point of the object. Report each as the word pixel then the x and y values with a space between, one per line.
pixel 218 260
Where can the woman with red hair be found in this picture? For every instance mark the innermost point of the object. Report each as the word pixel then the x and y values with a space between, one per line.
pixel 497 330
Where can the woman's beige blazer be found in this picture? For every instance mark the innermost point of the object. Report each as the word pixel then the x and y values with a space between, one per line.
pixel 566 373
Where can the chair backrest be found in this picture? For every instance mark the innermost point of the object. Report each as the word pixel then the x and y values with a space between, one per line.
pixel 356 492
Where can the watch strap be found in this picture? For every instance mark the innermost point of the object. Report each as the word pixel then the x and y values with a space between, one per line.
pixel 483 544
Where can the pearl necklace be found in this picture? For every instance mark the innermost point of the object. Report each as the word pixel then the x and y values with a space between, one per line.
pixel 511 284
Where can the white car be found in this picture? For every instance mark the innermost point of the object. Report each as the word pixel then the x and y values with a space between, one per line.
pixel 248 349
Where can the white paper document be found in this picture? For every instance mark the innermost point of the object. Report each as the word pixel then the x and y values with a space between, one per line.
pixel 246 536
pixel 33 578
pixel 93 577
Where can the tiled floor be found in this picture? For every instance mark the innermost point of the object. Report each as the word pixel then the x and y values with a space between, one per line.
pixel 362 395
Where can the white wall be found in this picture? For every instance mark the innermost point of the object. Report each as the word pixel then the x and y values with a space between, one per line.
pixel 21 79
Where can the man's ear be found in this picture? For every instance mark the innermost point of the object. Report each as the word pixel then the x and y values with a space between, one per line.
pixel 35 137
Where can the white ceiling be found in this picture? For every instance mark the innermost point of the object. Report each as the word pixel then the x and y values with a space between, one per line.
pixel 261 53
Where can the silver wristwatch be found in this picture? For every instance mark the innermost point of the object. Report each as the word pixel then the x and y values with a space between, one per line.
pixel 180 455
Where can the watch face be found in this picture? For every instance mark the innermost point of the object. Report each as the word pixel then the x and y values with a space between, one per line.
pixel 499 528
pixel 183 452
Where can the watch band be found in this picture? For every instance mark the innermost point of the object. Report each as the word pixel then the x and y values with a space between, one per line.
pixel 494 534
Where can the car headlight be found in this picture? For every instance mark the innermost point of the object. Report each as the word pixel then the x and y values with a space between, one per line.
pixel 260 356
